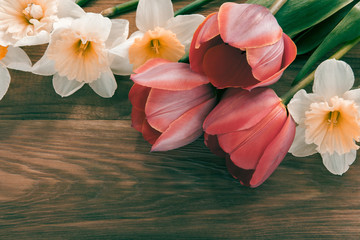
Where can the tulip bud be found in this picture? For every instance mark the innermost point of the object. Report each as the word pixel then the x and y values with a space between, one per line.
pixel 254 131
pixel 170 103
pixel 241 46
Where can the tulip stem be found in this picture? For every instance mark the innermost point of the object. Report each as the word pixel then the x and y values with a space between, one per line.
pixel 82 2
pixel 307 80
pixel 191 7
pixel 275 7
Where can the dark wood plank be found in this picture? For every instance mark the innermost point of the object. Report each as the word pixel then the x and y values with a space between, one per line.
pixel 96 180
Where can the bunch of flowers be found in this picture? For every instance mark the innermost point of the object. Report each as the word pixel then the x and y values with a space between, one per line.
pixel 222 92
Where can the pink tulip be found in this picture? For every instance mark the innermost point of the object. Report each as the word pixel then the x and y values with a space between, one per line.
pixel 170 103
pixel 253 130
pixel 241 46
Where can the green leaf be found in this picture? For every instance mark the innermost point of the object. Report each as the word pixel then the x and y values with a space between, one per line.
pixel 348 29
pixel 298 15
pixel 312 37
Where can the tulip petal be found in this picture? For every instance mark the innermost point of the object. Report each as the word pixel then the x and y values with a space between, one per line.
pixel 211 141
pixel 266 61
pixel 163 106
pixel 246 147
pixel 168 76
pixel 153 13
pixel 208 30
pixel 137 118
pixel 248 25
pixel 240 110
pixel 333 78
pixel 149 134
pixel 185 129
pixel 299 147
pixel 243 175
pixel 227 67
pixel 338 164
pixel 274 153
pixel 138 96
pixel 288 57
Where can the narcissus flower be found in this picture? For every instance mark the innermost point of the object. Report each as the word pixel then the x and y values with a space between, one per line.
pixel 80 51
pixel 252 130
pixel 30 22
pixel 13 58
pixel 241 46
pixel 170 103
pixel 161 35
pixel 328 119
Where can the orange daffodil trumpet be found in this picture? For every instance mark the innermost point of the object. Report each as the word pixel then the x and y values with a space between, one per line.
pixel 329 118
pixel 252 130
pixel 161 35
pixel 241 46
pixel 80 52
pixel 170 103
pixel 30 22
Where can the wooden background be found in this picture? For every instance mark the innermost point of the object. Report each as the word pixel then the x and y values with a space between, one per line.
pixel 73 168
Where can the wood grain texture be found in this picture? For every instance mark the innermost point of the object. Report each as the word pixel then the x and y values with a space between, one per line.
pixel 73 168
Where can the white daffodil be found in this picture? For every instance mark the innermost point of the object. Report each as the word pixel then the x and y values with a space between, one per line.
pixel 160 35
pixel 13 58
pixel 79 53
pixel 30 22
pixel 328 119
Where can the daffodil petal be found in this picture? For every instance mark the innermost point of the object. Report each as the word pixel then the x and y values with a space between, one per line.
pixel 4 80
pixel 95 25
pixel 67 8
pixel 120 65
pixel 17 59
pixel 41 38
pixel 105 86
pixel 184 27
pixel 299 147
pixel 353 95
pixel 338 164
pixel 44 66
pixel 65 87
pixel 153 13
pixel 300 103
pixel 118 33
pixel 333 78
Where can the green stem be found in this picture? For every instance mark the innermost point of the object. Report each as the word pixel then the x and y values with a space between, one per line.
pixel 191 7
pixel 120 8
pixel 82 2
pixel 275 7
pixel 307 80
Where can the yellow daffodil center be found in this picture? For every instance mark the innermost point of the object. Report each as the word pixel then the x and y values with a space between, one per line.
pixel 33 11
pixel 78 58
pixel 3 51
pixel 333 126
pixel 159 43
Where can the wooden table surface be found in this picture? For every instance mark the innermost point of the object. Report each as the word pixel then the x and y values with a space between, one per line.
pixel 73 168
